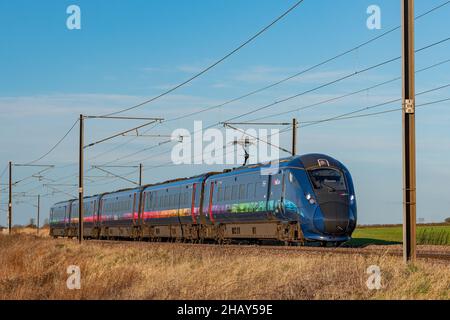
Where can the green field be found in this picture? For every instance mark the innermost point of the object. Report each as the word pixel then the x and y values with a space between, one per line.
pixel 435 235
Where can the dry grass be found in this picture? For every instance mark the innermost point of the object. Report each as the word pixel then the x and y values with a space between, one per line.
pixel 43 232
pixel 35 268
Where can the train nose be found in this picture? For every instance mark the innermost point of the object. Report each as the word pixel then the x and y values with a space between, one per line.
pixel 332 218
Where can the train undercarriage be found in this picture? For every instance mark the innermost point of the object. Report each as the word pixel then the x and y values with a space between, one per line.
pixel 289 232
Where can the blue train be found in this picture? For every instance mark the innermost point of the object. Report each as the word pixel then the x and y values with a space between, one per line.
pixel 309 198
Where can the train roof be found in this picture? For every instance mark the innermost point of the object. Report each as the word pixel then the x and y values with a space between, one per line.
pixel 304 161
pixel 314 160
pixel 75 199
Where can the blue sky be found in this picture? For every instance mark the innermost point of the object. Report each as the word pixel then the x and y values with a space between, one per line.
pixel 128 51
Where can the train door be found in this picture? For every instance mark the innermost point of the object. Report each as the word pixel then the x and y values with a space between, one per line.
pixel 275 193
pixel 68 215
pixel 142 202
pixel 176 202
pixel 210 202
pixel 133 209
pixel 202 203
pixel 99 213
pixel 65 216
pixel 94 213
pixel 194 189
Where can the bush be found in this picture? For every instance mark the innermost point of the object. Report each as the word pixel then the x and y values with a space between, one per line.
pixel 447 220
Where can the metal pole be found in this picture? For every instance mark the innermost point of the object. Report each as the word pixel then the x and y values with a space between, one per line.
pixel 80 182
pixel 294 137
pixel 140 174
pixel 38 212
pixel 409 143
pixel 10 199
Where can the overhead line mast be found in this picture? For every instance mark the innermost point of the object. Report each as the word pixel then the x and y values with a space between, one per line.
pixel 409 138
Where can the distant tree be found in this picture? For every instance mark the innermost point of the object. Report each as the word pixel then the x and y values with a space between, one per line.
pixel 447 220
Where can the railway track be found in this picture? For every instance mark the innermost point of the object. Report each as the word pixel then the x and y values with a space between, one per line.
pixel 441 255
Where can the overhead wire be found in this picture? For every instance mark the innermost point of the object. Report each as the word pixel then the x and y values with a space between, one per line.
pixel 212 65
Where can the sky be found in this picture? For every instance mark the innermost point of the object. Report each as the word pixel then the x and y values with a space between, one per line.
pixel 129 51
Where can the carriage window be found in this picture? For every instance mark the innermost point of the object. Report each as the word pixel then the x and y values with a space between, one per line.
pixel 330 179
pixel 219 194
pixel 242 192
pixel 234 192
pixel 227 193
pixel 250 190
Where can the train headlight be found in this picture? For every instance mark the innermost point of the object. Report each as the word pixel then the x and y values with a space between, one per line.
pixel 352 199
pixel 310 199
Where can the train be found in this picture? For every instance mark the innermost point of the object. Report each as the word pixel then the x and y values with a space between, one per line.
pixel 305 199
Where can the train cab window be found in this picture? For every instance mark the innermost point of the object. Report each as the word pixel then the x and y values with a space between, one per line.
pixel 330 179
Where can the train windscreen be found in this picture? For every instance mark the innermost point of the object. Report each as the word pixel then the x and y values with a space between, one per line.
pixel 327 178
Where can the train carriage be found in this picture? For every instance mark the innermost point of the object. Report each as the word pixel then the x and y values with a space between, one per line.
pixel 59 218
pixel 305 198
pixel 118 214
pixel 169 210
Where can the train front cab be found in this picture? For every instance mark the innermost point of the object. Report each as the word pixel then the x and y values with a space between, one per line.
pixel 320 190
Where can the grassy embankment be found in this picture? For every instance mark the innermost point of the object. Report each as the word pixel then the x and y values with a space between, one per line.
pixel 426 234
pixel 35 268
